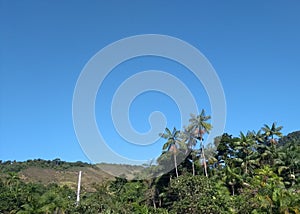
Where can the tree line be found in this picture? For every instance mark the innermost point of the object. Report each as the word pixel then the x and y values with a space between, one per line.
pixel 255 172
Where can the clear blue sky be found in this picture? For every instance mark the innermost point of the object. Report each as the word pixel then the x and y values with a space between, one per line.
pixel 253 45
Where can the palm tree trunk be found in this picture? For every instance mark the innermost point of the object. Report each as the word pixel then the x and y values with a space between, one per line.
pixel 153 202
pixel 204 164
pixel 204 161
pixel 153 192
pixel 175 163
pixel 202 153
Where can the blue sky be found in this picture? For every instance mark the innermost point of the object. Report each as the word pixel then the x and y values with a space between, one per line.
pixel 253 46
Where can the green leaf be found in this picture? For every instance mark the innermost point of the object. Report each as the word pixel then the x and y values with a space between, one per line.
pixel 240 160
pixel 281 168
pixel 165 146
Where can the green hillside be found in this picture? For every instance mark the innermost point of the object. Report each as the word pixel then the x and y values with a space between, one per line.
pixel 66 173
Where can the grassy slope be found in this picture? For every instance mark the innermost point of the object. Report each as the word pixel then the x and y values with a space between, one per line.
pixel 46 174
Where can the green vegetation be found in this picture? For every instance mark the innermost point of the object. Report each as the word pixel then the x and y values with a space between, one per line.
pixel 255 172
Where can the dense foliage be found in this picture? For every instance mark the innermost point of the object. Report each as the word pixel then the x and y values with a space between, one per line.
pixel 249 173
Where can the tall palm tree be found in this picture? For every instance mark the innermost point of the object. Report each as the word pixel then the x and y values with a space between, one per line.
pixel 172 144
pixel 246 151
pixel 269 148
pixel 200 127
pixel 270 132
pixel 189 138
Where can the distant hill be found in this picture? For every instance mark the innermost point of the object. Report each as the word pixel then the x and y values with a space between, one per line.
pixel 121 169
pixel 291 137
pixel 66 173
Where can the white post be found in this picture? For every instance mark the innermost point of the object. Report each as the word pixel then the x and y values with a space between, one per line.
pixel 78 189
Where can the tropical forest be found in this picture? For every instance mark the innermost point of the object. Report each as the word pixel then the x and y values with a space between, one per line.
pixel 254 172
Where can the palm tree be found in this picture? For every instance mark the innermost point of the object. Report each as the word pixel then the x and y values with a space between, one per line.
pixel 246 151
pixel 189 138
pixel 268 154
pixel 268 149
pixel 200 127
pixel 172 144
pixel 12 180
pixel 232 178
pixel 288 161
pixel 210 154
pixel 271 132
